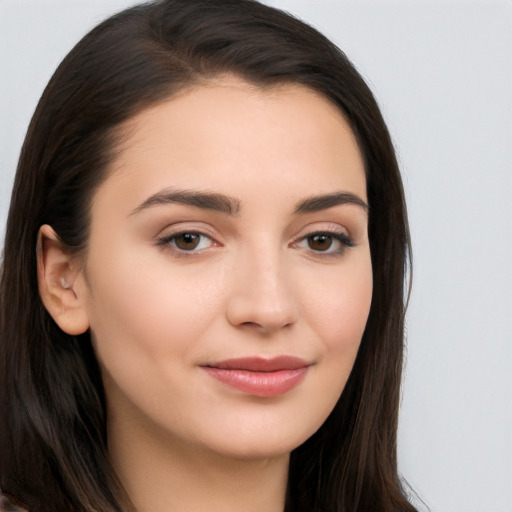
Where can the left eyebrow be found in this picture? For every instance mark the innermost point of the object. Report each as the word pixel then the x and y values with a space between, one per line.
pixel 322 202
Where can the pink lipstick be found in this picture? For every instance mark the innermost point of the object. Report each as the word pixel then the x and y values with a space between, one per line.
pixel 260 376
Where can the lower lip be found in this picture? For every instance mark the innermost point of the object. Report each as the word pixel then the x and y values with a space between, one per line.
pixel 262 384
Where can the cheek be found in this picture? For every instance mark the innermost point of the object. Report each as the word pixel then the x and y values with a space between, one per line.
pixel 342 303
pixel 339 317
pixel 336 312
pixel 147 311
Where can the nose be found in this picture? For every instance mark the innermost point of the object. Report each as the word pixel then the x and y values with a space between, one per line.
pixel 263 295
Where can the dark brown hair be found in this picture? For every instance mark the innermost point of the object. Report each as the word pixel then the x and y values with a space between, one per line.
pixel 53 439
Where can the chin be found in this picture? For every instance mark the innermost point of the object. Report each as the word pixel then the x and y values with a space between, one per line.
pixel 256 449
pixel 264 441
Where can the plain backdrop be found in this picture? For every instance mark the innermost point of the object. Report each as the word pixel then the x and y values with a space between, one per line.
pixel 442 73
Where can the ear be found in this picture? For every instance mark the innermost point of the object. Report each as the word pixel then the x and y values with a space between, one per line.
pixel 60 283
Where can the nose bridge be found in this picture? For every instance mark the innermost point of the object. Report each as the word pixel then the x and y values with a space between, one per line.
pixel 263 294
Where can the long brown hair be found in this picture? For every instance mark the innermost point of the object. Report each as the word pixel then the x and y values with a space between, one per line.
pixel 53 439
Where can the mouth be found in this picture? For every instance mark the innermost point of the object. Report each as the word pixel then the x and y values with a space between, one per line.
pixel 259 376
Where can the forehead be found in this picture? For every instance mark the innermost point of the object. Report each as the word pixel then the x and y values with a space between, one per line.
pixel 232 135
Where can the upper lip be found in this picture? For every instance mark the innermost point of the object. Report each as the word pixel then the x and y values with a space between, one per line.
pixel 261 364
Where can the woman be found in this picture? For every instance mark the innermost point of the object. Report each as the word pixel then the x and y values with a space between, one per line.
pixel 202 286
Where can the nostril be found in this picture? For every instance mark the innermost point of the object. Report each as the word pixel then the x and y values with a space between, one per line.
pixel 263 329
pixel 263 305
pixel 266 325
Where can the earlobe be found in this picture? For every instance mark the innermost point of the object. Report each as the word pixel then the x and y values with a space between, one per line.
pixel 60 283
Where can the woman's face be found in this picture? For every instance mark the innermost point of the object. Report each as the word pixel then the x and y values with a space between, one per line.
pixel 228 276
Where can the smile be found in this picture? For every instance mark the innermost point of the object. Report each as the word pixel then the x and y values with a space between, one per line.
pixel 259 376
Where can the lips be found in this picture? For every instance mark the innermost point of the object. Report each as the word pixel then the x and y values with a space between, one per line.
pixel 258 376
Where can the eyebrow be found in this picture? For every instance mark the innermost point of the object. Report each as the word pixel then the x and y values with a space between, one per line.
pixel 231 205
pixel 199 199
pixel 322 202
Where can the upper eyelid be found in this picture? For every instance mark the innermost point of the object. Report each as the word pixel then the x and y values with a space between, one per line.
pixel 340 236
pixel 187 227
pixel 165 242
pixel 323 227
pixel 175 234
pixel 202 228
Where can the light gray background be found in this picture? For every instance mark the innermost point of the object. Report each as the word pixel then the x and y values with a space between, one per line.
pixel 442 72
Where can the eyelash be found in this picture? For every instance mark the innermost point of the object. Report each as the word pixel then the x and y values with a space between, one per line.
pixel 169 242
pixel 342 239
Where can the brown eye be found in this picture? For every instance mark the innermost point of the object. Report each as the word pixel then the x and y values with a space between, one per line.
pixel 187 241
pixel 320 242
pixel 325 243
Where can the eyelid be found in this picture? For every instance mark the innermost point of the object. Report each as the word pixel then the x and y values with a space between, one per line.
pixel 341 237
pixel 169 238
pixel 333 228
pixel 188 226
pixel 170 233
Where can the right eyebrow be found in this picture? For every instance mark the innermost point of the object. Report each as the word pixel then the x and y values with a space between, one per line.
pixel 197 198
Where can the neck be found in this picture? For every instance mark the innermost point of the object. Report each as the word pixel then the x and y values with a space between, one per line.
pixel 171 475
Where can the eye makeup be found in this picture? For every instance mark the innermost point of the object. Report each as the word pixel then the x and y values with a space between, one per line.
pixel 325 243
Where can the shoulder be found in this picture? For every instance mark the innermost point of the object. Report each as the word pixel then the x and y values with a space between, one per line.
pixel 10 504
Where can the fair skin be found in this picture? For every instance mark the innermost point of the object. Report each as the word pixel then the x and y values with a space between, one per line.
pixel 232 225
